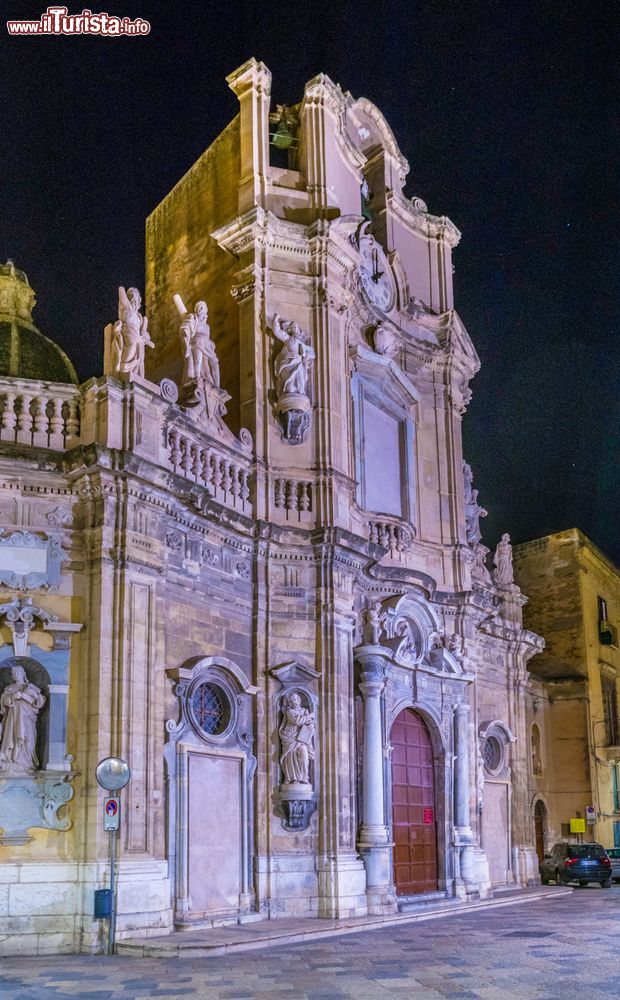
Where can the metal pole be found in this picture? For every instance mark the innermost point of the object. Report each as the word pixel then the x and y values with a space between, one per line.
pixel 112 924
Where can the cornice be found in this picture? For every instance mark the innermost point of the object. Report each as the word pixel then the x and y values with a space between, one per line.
pixel 323 92
pixel 430 227
pixel 261 228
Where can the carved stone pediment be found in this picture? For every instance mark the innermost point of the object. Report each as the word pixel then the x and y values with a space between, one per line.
pixel 409 629
pixel 383 370
pixel 289 674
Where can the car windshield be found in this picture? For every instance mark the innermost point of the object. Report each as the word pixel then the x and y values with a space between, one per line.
pixel 614 852
pixel 586 851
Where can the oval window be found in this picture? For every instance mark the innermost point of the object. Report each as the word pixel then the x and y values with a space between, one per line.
pixel 492 753
pixel 211 709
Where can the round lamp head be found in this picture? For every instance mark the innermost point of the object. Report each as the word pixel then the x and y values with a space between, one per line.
pixel 112 773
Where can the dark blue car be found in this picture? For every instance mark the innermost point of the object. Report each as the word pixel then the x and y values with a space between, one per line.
pixel 581 863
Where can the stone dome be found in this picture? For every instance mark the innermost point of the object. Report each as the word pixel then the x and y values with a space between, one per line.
pixel 24 351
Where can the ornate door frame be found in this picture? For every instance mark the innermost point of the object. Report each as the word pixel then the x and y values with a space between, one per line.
pixel 409 664
pixel 186 737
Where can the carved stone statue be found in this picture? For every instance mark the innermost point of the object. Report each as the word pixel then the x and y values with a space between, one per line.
pixel 382 339
pixel 199 354
pixel 127 338
pixel 537 768
pixel 473 510
pixel 502 560
pixel 294 359
pixel 20 704
pixel 372 623
pixel 479 569
pixel 296 740
pixel 480 780
pixel 291 369
pixel 456 646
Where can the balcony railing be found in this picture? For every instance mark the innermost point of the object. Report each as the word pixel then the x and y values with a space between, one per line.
pixel 33 413
pixel 225 477
pixel 393 534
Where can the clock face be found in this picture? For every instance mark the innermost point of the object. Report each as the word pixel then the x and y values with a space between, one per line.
pixel 375 276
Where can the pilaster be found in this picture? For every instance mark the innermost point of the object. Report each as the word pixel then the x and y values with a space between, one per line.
pixel 252 85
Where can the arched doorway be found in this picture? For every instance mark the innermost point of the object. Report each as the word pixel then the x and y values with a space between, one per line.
pixel 414 821
pixel 540 817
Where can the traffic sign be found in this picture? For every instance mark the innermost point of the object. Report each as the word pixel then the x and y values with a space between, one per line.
pixel 111 813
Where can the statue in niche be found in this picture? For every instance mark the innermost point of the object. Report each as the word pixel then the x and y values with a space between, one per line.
pixel 372 623
pixel 128 337
pixel 291 369
pixel 294 359
pixel 199 355
pixel 296 740
pixel 502 560
pixel 473 510
pixel 20 704
pixel 409 647
pixel 537 768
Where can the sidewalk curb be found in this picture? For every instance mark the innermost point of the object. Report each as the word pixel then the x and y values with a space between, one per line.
pixel 155 947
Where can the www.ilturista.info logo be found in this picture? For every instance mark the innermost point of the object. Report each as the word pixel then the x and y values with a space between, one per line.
pixel 58 21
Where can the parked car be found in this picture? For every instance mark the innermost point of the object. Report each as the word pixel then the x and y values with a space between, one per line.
pixel 613 853
pixel 581 863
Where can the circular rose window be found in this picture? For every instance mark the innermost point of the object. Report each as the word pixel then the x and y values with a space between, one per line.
pixel 492 753
pixel 211 709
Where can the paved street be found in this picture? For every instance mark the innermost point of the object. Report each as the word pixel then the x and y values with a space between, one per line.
pixel 555 949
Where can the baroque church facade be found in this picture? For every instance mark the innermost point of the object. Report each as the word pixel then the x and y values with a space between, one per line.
pixel 248 560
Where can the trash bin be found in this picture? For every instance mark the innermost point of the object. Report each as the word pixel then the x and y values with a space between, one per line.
pixel 103 904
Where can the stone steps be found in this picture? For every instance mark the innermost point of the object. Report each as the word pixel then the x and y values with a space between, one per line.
pixel 219 941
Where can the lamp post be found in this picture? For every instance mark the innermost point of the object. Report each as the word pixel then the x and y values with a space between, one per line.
pixel 112 775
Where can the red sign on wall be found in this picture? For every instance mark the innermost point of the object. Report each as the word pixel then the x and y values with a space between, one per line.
pixel 428 816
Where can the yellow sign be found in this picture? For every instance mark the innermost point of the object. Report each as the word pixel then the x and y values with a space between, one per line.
pixel 577 826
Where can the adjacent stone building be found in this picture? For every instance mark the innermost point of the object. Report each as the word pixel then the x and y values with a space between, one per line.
pixel 256 572
pixel 574 601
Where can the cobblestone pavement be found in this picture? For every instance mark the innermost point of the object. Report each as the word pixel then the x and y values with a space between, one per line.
pixel 555 949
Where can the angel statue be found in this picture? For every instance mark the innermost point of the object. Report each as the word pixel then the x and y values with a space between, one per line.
pixel 294 359
pixel 199 356
pixel 129 335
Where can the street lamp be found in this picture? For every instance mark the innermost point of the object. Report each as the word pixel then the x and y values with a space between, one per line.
pixel 112 775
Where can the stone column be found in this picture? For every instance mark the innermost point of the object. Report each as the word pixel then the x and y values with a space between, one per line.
pixel 374 845
pixel 524 858
pixel 464 841
pixel 461 796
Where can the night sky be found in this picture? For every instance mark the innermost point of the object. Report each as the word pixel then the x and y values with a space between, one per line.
pixel 508 115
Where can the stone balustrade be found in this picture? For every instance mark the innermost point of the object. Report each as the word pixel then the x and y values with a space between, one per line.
pixel 294 497
pixel 225 477
pixel 33 413
pixel 392 534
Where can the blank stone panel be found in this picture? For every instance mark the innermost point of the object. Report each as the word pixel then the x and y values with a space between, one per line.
pixel 382 461
pixel 214 832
